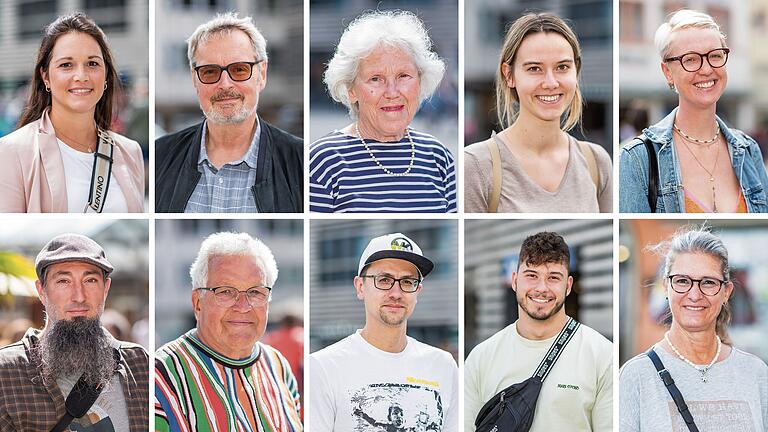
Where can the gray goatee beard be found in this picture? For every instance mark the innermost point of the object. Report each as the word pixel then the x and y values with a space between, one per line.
pixel 71 348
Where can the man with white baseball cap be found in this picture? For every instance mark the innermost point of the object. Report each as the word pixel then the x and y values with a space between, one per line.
pixel 356 382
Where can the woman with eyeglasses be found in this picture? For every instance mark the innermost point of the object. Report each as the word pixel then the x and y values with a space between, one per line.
pixel 63 157
pixel 723 387
pixel 691 161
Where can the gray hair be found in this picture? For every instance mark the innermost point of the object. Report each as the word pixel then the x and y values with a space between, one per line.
pixel 367 32
pixel 232 244
pixel 683 19
pixel 225 24
pixel 693 239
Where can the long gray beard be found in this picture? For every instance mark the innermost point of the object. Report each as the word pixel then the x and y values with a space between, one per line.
pixel 69 348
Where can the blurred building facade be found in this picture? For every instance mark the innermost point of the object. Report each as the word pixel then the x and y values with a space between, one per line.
pixel 643 90
pixel 125 22
pixel 335 249
pixel 329 19
pixel 491 249
pixel 176 245
pixel 642 304
pixel 281 23
pixel 486 22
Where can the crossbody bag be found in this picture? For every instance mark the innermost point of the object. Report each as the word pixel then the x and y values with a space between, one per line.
pixel 653 172
pixel 493 148
pixel 512 409
pixel 669 383
pixel 101 173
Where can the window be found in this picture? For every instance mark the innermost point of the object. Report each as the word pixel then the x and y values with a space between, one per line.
pixel 631 22
pixel 110 15
pixel 34 15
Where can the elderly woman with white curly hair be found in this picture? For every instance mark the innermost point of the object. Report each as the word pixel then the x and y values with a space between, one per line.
pixel 383 69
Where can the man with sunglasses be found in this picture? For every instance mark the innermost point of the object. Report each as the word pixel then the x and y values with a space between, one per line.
pixel 356 382
pixel 232 162
pixel 218 376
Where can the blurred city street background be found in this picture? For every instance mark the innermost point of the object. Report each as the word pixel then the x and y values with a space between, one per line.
pixel 645 98
pixel 126 245
pixel 328 20
pixel 491 249
pixel 486 22
pixel 642 304
pixel 335 248
pixel 280 22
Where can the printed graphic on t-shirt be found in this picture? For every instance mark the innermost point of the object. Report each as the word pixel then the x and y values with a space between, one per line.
pixel 396 407
pixel 96 420
pixel 726 415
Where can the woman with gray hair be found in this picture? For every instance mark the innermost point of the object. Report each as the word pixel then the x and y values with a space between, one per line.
pixel 384 67
pixel 691 162
pixel 694 376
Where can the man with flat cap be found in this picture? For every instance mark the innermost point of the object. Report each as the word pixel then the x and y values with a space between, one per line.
pixel 379 378
pixel 73 373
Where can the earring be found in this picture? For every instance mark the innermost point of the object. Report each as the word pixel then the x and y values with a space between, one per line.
pixel 105 85
pixel 671 85
pixel 48 89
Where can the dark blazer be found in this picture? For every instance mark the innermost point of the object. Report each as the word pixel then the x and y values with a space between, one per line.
pixel 279 186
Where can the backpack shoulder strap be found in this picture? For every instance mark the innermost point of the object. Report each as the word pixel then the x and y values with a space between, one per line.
pixel 653 172
pixel 589 155
pixel 493 200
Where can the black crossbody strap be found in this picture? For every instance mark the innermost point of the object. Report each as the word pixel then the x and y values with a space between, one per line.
pixel 101 174
pixel 557 348
pixel 653 173
pixel 666 378
pixel 81 399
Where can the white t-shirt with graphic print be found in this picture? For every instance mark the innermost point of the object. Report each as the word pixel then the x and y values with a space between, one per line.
pixel 357 387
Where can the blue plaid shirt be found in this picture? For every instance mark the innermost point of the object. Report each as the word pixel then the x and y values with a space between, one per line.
pixel 228 189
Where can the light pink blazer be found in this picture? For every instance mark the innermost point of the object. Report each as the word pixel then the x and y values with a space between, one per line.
pixel 32 171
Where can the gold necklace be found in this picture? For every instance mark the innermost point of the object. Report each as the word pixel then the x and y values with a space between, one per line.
pixel 87 147
pixel 711 173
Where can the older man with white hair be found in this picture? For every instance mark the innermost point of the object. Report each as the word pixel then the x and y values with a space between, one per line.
pixel 218 376
pixel 233 162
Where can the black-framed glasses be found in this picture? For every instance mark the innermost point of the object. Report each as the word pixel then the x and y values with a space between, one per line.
pixel 693 61
pixel 681 284
pixel 227 296
pixel 238 71
pixel 386 282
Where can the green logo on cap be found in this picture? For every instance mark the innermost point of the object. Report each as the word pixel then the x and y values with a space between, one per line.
pixel 401 243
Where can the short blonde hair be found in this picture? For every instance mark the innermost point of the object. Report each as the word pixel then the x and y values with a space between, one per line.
pixel 225 23
pixel 683 19
pixel 507 100
pixel 367 32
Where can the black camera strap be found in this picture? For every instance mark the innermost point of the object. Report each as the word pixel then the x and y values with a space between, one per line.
pixel 669 383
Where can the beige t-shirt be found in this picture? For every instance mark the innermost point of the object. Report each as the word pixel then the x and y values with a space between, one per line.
pixel 520 194
pixel 577 395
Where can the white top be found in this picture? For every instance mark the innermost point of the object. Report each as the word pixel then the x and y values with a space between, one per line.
pixel 78 167
pixel 734 398
pixel 358 387
pixel 577 395
pixel 109 412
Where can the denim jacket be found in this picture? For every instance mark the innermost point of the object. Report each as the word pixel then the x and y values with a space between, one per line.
pixel 745 155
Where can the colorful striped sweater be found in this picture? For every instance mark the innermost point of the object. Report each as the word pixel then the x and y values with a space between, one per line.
pixel 344 178
pixel 197 389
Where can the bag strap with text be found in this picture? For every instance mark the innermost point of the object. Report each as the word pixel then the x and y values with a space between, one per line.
pixel 669 383
pixel 557 348
pixel 101 174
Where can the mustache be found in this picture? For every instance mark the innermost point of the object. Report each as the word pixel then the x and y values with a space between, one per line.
pixel 226 94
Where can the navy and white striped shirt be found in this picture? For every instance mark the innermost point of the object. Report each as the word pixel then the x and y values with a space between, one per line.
pixel 344 178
